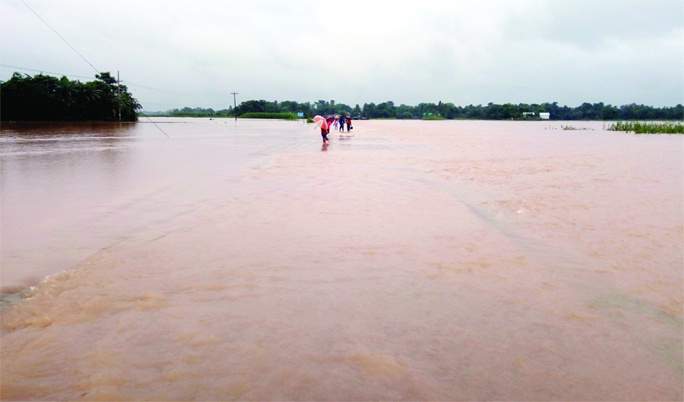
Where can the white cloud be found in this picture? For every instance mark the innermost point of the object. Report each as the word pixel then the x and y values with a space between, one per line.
pixel 361 51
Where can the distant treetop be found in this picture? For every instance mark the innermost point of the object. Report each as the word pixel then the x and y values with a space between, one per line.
pixel 43 97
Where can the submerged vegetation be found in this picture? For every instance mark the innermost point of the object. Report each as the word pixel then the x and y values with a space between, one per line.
pixel 572 128
pixel 43 97
pixel 648 127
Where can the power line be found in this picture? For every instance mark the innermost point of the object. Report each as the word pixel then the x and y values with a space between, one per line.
pixel 155 124
pixel 43 71
pixel 65 41
pixel 122 81
pixel 169 92
pixel 82 76
pixel 96 70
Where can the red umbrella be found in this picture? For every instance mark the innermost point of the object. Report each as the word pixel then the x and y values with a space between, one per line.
pixel 320 121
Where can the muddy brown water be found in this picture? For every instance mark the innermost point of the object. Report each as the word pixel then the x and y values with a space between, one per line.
pixel 445 260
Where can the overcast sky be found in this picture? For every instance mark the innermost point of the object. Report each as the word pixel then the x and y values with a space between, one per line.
pixel 195 53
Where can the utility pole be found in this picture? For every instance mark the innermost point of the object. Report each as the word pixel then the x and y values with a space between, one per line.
pixel 118 93
pixel 234 105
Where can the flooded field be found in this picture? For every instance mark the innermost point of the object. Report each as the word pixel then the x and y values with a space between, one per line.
pixel 411 260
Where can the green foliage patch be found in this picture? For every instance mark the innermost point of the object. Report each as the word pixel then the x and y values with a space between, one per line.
pixel 269 115
pixel 447 110
pixel 648 127
pixel 43 98
pixel 491 111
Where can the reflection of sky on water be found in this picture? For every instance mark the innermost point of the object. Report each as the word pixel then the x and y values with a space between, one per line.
pixel 90 183
pixel 416 261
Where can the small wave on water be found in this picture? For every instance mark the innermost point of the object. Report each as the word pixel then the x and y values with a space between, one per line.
pixel 392 266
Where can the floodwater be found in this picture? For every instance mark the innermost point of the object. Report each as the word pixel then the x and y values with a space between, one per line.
pixel 442 260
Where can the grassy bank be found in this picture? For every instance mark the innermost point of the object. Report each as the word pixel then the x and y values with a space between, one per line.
pixel 266 115
pixel 647 127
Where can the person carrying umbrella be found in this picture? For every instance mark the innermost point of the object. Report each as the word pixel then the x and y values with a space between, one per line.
pixel 325 127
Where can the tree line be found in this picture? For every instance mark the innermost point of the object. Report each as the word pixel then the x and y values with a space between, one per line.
pixel 43 97
pixel 491 111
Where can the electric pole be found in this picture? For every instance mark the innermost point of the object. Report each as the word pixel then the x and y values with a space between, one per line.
pixel 234 105
pixel 118 93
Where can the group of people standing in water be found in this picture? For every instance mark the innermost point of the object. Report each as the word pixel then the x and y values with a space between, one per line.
pixel 337 122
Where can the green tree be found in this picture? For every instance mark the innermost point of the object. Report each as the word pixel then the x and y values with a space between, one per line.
pixel 450 111
pixel 386 110
pixel 44 97
pixel 370 110
pixel 404 112
pixel 356 111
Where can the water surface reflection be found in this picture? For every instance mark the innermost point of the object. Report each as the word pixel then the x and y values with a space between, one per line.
pixel 413 261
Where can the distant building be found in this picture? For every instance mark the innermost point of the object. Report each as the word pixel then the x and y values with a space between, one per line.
pixel 532 115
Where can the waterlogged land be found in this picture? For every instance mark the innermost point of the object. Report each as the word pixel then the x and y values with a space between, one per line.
pixel 415 260
pixel 648 127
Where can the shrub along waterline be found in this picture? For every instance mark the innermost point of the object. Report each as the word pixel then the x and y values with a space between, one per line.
pixel 267 115
pixel 647 127
pixel 566 128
